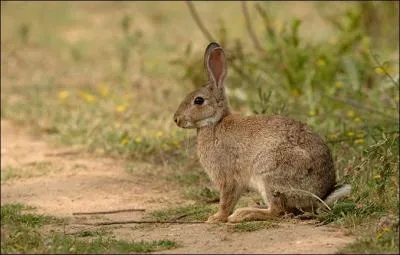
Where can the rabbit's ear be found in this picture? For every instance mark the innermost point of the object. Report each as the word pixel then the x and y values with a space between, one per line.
pixel 215 62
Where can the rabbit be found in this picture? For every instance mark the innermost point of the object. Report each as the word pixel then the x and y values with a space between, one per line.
pixel 280 158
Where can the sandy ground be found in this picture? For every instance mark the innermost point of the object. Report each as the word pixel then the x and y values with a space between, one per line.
pixel 60 181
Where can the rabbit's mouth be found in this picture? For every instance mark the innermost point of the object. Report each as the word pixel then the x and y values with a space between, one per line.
pixel 183 123
pixel 186 124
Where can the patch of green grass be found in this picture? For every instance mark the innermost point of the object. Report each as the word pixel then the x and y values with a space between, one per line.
pixel 147 246
pixel 35 169
pixel 189 178
pixel 386 241
pixel 108 123
pixel 15 214
pixel 26 241
pixel 22 233
pixel 348 213
pixel 196 212
pixel 93 233
pixel 8 172
pixel 250 226
pixel 205 194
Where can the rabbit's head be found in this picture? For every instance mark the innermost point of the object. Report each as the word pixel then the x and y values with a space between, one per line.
pixel 208 104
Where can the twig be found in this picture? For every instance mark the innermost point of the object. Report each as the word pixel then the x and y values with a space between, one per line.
pixel 63 153
pixel 80 231
pixel 267 22
pixel 199 23
pixel 141 222
pixel 360 106
pixel 306 216
pixel 109 212
pixel 249 26
pixel 356 138
pixel 383 69
pixel 344 139
pixel 375 57
pixel 210 38
pixel 315 196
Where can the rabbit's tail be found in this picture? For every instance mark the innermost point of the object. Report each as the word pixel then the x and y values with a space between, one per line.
pixel 338 193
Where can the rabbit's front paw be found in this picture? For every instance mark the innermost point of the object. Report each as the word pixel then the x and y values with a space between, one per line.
pixel 218 217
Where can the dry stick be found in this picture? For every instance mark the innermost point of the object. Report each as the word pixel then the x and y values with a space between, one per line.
pixel 313 195
pixel 265 17
pixel 79 231
pixel 62 153
pixel 109 212
pixel 200 24
pixel 249 26
pixel 209 37
pixel 141 222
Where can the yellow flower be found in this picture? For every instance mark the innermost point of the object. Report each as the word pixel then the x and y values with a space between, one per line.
pixel 138 139
pixel 366 41
pixel 175 143
pixel 63 94
pixel 124 141
pixel 321 62
pixel 350 133
pixel 359 141
pixel 104 90
pixel 88 97
pixel 379 70
pixel 351 113
pixel 377 176
pixel 339 84
pixel 312 113
pixel 357 119
pixel 360 135
pixel 120 108
pixel 385 68
pixel 295 92
pixel 333 136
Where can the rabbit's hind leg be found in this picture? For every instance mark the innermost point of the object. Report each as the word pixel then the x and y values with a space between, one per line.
pixel 276 205
pixel 252 214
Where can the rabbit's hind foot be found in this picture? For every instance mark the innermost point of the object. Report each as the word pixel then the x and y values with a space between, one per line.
pixel 252 214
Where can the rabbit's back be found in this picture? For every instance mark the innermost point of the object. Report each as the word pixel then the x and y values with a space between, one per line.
pixel 276 150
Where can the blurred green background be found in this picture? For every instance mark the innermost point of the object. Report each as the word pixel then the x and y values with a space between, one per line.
pixel 109 76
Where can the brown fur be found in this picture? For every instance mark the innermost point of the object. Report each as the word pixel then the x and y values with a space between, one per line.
pixel 280 158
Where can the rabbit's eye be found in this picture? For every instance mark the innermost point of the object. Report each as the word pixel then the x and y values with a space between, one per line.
pixel 198 100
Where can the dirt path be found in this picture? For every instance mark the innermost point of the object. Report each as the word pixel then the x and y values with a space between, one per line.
pixel 62 181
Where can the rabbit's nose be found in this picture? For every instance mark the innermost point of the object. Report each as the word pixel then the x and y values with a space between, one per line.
pixel 176 119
